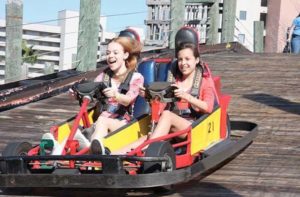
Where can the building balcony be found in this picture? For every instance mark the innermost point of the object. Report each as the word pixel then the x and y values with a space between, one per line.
pixel 41 38
pixel 48 58
pixel 161 2
pixel 162 22
pixel 46 48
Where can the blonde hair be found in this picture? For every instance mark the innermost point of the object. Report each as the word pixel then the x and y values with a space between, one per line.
pixel 132 47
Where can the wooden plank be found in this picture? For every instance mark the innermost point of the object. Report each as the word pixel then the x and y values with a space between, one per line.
pixel 264 89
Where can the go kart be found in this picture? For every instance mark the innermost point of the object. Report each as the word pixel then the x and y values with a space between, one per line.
pixel 164 162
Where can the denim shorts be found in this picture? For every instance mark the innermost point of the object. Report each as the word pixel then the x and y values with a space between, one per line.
pixel 295 44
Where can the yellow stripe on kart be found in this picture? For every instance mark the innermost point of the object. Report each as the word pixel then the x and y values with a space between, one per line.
pixel 128 135
pixel 206 133
pixel 64 129
pixel 91 113
pixel 63 132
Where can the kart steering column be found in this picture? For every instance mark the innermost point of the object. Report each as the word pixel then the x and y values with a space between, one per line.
pixel 82 115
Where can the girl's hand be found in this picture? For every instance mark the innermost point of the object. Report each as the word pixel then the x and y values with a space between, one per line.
pixel 110 92
pixel 142 91
pixel 72 94
pixel 180 93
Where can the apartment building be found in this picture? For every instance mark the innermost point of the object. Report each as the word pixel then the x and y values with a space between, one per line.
pixel 158 20
pixel 246 13
pixel 56 45
pixel 277 16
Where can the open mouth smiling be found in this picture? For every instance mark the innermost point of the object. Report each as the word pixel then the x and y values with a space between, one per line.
pixel 111 61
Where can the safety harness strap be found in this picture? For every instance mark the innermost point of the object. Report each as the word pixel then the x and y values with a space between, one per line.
pixel 194 92
pixel 120 110
pixel 196 82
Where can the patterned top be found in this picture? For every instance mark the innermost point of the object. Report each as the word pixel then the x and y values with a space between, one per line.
pixel 135 83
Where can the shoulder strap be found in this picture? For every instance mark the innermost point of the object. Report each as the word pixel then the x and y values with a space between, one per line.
pixel 107 75
pixel 124 86
pixel 197 79
pixel 170 77
pixel 197 82
pixel 171 73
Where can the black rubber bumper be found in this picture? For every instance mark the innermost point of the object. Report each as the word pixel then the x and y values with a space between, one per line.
pixel 72 178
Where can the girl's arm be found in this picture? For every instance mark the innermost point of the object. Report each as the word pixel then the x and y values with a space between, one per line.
pixel 205 102
pixel 126 99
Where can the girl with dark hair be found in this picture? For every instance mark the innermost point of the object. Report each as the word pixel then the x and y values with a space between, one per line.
pixel 188 58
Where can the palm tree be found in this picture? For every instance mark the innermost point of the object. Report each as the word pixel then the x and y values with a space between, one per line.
pixel 29 56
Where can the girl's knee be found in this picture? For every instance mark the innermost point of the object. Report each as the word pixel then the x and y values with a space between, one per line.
pixel 166 114
pixel 101 120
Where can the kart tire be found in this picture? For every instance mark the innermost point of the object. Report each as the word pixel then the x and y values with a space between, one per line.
pixel 160 149
pixel 14 149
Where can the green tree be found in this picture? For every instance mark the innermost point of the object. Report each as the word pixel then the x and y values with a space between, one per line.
pixel 29 55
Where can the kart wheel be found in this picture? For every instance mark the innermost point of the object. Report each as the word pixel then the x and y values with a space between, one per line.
pixel 14 149
pixel 160 149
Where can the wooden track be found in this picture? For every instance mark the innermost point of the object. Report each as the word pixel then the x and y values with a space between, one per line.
pixel 264 89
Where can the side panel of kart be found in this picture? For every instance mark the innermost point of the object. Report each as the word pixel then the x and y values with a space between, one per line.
pixel 206 133
pixel 65 129
pixel 128 134
pixel 91 113
pixel 63 132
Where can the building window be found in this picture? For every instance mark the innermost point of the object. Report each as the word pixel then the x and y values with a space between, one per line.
pixel 264 3
pixel 263 17
pixel 156 33
pixel 241 38
pixel 243 15
pixel 153 13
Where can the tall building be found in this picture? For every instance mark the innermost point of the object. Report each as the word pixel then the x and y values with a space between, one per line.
pixel 246 13
pixel 277 16
pixel 158 20
pixel 55 44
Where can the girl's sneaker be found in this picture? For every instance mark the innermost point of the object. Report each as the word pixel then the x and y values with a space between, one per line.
pixel 57 148
pixel 97 147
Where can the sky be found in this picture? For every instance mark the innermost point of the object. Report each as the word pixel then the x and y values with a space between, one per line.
pixel 41 10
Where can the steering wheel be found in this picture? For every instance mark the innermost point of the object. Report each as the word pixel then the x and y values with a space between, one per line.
pixel 161 90
pixel 90 89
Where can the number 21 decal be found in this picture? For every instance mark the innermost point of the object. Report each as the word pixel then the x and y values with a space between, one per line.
pixel 211 127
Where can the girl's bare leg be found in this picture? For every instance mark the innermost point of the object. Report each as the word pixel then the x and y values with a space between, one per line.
pixel 167 122
pixel 104 125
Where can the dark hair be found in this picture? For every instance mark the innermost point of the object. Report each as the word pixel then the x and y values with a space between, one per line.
pixel 191 46
pixel 298 15
pixel 196 53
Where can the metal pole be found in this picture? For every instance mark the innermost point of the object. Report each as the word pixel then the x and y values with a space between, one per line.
pixel 258 36
pixel 89 18
pixel 214 20
pixel 228 21
pixel 177 19
pixel 13 50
